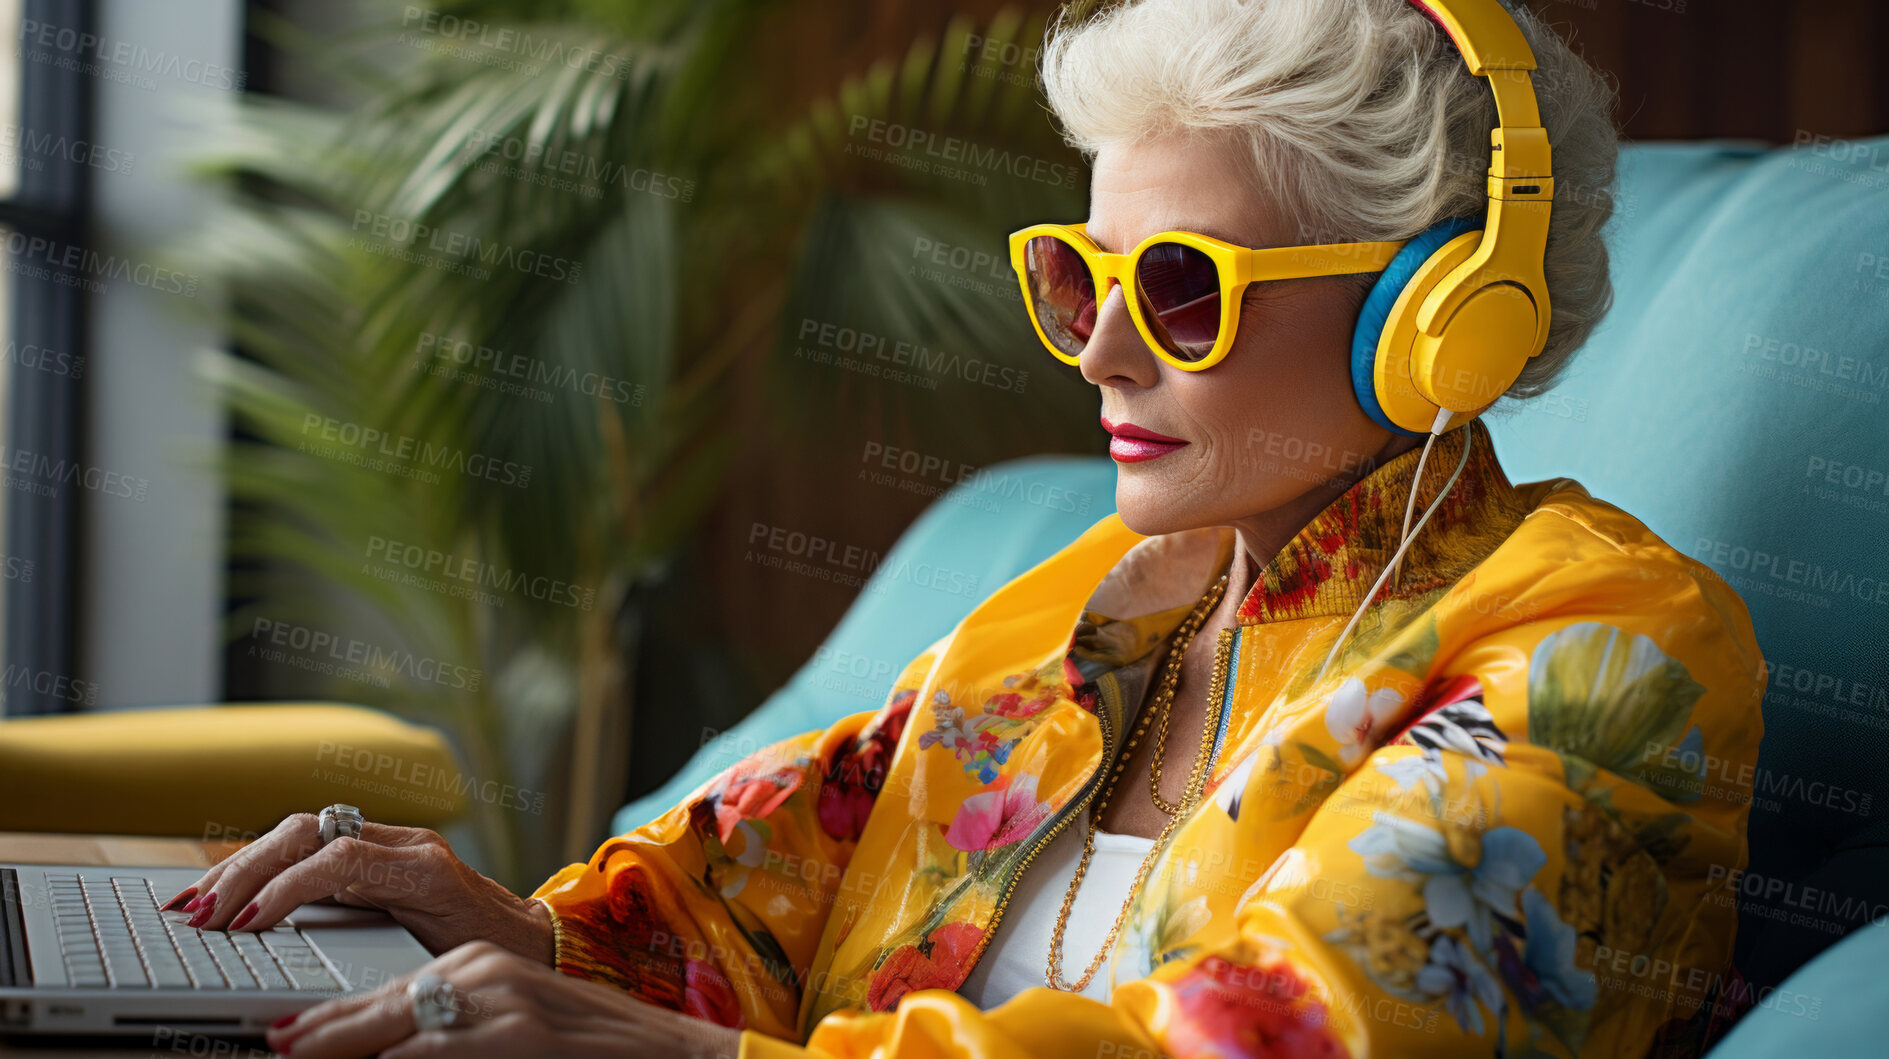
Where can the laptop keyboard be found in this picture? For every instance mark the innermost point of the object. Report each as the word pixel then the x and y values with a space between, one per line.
pixel 112 935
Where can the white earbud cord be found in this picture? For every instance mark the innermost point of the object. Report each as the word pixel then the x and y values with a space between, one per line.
pixel 1441 420
pixel 1410 506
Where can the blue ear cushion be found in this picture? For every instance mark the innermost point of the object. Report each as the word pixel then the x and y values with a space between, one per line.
pixel 1377 310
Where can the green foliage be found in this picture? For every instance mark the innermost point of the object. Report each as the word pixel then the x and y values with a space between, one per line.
pixel 685 291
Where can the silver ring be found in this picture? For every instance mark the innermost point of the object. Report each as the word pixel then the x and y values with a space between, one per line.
pixel 433 1001
pixel 338 821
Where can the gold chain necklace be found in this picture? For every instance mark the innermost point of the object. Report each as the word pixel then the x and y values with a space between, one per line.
pixel 1163 701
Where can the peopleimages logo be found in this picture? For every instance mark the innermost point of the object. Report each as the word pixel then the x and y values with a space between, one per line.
pixel 541 49
pixel 14 568
pixel 71 265
pixel 1861 153
pixel 1741 781
pixel 471 571
pixel 65 689
pixel 42 475
pixel 321 644
pixel 411 451
pixel 1657 978
pixel 932 475
pixel 462 248
pixel 928 151
pixel 1758 564
pixel 1791 902
pixel 567 170
pixel 1818 361
pixel 1828 685
pixel 901 354
pixel 39 358
pixel 419 775
pixel 28 149
pixel 533 370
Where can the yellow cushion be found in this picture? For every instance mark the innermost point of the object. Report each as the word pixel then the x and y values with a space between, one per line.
pixel 224 772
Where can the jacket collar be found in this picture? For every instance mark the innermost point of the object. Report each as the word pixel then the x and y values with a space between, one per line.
pixel 1326 568
pixel 1330 564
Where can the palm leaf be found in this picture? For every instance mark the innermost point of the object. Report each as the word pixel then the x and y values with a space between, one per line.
pixel 689 306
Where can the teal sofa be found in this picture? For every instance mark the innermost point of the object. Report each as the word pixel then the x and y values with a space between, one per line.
pixel 1736 399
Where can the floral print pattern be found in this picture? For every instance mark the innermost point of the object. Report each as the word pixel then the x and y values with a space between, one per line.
pixel 1486 926
pixel 1258 1010
pixel 1607 699
pixel 937 963
pixel 1425 852
pixel 1454 720
pixel 751 791
pixel 997 818
pixel 855 773
pixel 708 994
pixel 1358 719
pixel 983 744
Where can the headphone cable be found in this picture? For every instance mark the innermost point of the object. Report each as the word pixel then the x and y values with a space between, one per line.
pixel 1442 420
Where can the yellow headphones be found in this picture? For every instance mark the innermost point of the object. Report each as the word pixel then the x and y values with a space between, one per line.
pixel 1455 316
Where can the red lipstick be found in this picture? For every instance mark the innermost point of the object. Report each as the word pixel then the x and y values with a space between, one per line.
pixel 1129 443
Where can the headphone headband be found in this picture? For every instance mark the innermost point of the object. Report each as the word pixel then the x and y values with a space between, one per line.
pixel 1485 33
pixel 1468 316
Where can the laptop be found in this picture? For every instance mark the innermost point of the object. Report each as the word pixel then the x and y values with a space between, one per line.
pixel 85 950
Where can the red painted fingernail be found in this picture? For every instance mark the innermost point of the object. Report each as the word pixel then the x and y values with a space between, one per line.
pixel 185 892
pixel 205 910
pixel 284 1020
pixel 243 917
pixel 192 906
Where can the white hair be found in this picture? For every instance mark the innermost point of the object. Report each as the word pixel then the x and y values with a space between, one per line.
pixel 1360 117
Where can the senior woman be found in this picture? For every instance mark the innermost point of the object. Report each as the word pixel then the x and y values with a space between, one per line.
pixel 1265 763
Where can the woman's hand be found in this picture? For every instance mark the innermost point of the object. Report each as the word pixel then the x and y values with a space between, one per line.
pixel 407 871
pixel 506 1006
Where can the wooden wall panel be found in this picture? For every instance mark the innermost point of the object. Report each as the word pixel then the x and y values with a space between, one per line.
pixel 1761 69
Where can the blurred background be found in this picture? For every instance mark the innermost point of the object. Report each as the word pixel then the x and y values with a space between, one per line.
pixel 452 358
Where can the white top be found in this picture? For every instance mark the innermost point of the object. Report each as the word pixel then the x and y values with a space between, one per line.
pixel 1017 956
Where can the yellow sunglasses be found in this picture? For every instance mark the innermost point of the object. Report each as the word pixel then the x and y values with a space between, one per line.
pixel 1186 286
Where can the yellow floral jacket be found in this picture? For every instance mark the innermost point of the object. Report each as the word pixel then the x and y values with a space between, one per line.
pixel 1500 825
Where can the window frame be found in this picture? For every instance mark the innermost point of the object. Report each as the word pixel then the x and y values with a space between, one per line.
pixel 44 414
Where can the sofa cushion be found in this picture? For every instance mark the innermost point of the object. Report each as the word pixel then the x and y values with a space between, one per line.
pixel 977 536
pixel 1733 399
pixel 1736 400
pixel 221 772
pixel 1825 1009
